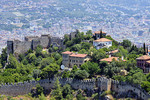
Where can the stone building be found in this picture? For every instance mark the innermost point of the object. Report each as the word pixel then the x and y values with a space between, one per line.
pixel 66 61
pixel 102 43
pixel 97 35
pixel 70 59
pixel 143 62
pixel 17 47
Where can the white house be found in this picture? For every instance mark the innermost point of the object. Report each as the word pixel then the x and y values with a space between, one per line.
pixel 102 43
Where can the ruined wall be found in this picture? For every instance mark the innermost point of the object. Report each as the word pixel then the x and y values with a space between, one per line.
pixel 30 38
pixel 17 47
pixel 73 35
pixel 9 47
pixel 20 47
pixel 35 43
pixel 57 42
pixel 45 41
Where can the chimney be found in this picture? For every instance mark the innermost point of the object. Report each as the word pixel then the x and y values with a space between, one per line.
pixel 122 58
pixel 76 53
pixel 109 56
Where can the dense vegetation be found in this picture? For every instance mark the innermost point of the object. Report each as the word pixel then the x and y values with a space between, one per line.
pixel 40 64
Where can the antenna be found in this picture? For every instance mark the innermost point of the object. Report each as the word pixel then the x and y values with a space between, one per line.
pixel 62 67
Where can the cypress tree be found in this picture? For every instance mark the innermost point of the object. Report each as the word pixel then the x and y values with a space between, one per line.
pixel 144 49
pixel 101 34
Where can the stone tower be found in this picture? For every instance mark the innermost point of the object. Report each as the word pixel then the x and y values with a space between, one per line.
pixel 10 47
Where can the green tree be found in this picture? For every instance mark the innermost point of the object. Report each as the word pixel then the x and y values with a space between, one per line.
pixel 74 69
pixel 146 86
pixel 47 61
pixel 42 97
pixel 38 50
pixel 4 57
pixel 39 89
pixel 13 62
pixel 138 78
pixel 90 67
pixel 50 70
pixel 89 32
pixel 80 96
pixel 76 47
pixel 66 90
pixel 65 74
pixel 85 45
pixel 21 57
pixel 81 74
pixel 144 49
pixel 56 55
pixel 57 93
pixel 96 55
pixel 126 43
pixel 66 38
pixel 69 43
pixel 36 73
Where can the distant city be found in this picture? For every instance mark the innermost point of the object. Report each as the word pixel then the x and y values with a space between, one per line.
pixel 121 20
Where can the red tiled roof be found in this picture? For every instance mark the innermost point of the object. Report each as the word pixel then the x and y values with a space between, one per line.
pixel 102 40
pixel 67 52
pixel 144 57
pixel 78 55
pixel 110 59
pixel 148 61
pixel 115 51
pixel 98 32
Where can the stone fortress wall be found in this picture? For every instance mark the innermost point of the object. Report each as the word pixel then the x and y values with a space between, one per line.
pixel 102 84
pixel 19 47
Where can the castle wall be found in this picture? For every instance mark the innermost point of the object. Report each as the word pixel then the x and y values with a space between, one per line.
pixel 17 47
pixel 20 47
pixel 45 41
pixel 9 47
pixel 57 42
pixel 30 38
pixel 102 83
pixel 124 88
pixel 35 43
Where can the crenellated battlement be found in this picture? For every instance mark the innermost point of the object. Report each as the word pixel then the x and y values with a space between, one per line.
pixel 103 84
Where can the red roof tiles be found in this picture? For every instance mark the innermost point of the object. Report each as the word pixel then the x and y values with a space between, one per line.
pixel 102 40
pixel 144 57
pixel 67 52
pixel 78 55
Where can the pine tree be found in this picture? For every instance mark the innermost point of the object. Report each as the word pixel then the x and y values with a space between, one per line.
pixel 57 93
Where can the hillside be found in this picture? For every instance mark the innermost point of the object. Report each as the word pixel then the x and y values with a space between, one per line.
pixel 39 64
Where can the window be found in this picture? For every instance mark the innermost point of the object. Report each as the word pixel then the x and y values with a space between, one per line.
pixel 81 61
